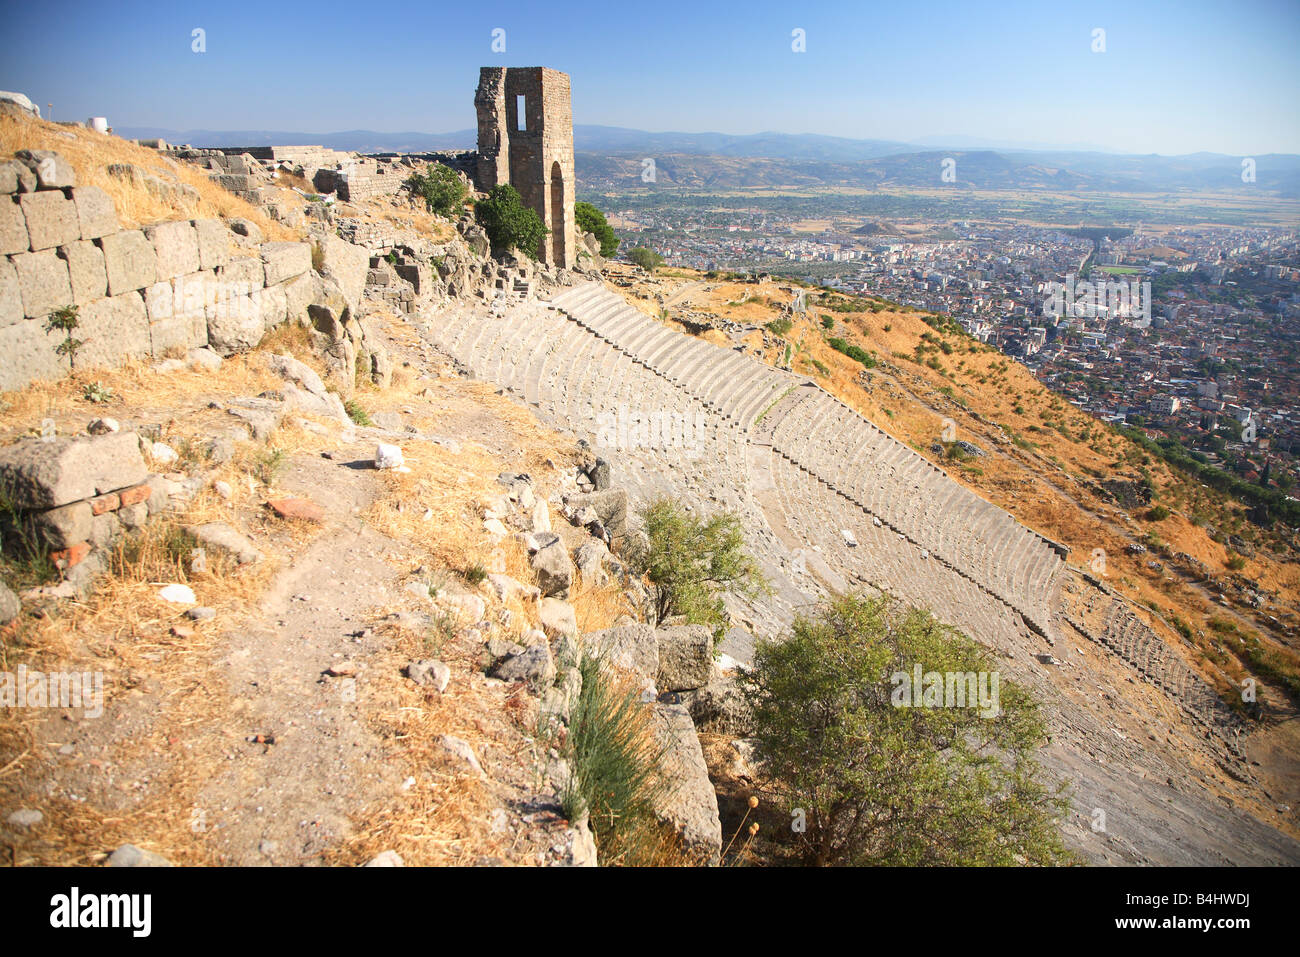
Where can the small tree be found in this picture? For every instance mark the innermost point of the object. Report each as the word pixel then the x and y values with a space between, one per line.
pixel 509 223
pixel 65 321
pixel 690 561
pixel 443 190
pixel 647 259
pixel 592 220
pixel 880 783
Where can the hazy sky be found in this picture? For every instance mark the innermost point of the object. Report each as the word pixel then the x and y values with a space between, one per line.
pixel 1175 77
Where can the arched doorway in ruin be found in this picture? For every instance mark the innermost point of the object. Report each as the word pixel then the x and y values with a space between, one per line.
pixel 558 230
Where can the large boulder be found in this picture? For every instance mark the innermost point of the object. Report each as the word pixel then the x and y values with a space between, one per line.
pixel 690 805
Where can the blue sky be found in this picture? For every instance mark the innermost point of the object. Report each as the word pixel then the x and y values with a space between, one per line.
pixel 1175 77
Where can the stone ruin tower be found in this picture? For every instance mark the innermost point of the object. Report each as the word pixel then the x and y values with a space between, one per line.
pixel 525 138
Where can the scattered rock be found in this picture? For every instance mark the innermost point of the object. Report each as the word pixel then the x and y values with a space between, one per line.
pixel 557 617
pixel 201 613
pixel 178 594
pixel 388 456
pixel 534 665
pixel 163 454
pixel 25 818
pixel 429 673
pixel 298 509
pixel 9 605
pixel 591 558
pixel 103 426
pixel 128 855
pixel 224 540
pixel 461 749
pixel 385 859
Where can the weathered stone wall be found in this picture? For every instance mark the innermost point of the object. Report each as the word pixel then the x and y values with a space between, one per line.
pixel 139 293
pixel 533 153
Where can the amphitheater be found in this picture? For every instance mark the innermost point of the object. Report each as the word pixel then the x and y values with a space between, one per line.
pixel 830 503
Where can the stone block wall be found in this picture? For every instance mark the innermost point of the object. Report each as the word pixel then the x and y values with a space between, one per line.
pixel 139 293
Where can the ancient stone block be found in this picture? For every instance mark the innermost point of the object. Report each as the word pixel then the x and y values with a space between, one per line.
pixel 113 329
pixel 85 270
pixel 245 271
pixel 285 260
pixel 299 293
pixel 235 325
pixel 185 330
pixel 274 305
pixel 28 352
pixel 214 243
pixel 16 178
pixel 43 282
pixel 129 260
pixel 51 219
pixel 346 264
pixel 13 227
pixel 95 212
pixel 51 169
pixel 176 246
pixel 685 657
pixel 41 474
pixel 11 297
pixel 183 296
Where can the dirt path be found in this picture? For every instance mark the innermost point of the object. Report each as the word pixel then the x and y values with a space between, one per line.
pixel 286 800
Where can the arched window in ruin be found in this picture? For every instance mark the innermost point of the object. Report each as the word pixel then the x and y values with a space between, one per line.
pixel 557 215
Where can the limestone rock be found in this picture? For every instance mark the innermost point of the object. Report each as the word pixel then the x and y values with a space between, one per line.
pixel 224 540
pixel 691 806
pixel 557 617
pixel 128 855
pixel 554 570
pixel 629 648
pixel 685 657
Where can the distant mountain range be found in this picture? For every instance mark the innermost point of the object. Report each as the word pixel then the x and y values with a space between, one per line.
pixel 612 158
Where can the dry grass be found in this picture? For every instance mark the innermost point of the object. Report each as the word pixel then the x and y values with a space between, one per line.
pixel 90 153
pixel 123 630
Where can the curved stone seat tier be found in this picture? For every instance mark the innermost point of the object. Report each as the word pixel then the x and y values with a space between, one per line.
pixel 589 353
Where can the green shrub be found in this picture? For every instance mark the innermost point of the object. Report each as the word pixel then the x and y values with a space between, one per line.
pixel 357 413
pixel 65 321
pixel 690 561
pixel 647 259
pixel 1157 513
pixel 443 191
pixel 591 220
pixel 856 353
pixel 509 223
pixel 779 327
pixel 878 783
